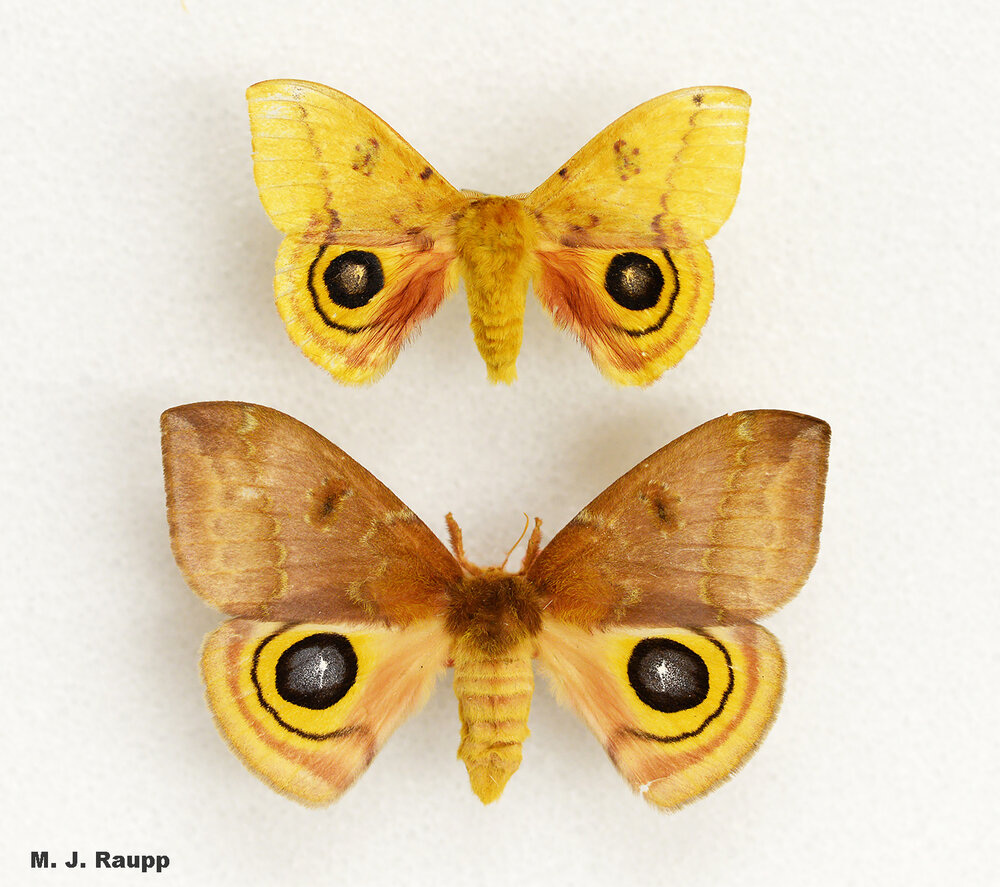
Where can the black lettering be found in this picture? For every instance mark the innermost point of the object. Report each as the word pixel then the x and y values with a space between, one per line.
pixel 40 859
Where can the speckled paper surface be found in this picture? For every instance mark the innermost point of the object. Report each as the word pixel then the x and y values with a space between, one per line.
pixel 855 281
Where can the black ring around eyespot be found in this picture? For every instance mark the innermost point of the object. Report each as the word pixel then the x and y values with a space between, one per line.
pixel 343 731
pixel 635 334
pixel 329 321
pixel 641 734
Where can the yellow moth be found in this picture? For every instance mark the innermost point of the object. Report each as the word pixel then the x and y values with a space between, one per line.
pixel 613 241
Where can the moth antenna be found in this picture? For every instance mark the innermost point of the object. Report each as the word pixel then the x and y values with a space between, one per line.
pixel 527 520
pixel 534 544
pixel 455 537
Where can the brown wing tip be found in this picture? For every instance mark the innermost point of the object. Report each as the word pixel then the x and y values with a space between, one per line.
pixel 196 415
pixel 219 415
pixel 170 420
pixel 808 430
pixel 803 424
pixel 200 428
pixel 795 436
pixel 175 423
pixel 179 423
pixel 785 424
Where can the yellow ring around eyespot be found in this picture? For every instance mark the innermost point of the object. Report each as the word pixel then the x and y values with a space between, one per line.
pixel 324 310
pixel 679 724
pixel 665 309
pixel 311 723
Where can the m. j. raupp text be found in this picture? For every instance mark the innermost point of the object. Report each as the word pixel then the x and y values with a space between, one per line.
pixel 104 859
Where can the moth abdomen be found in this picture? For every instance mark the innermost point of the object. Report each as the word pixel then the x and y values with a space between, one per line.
pixel 494 244
pixel 494 699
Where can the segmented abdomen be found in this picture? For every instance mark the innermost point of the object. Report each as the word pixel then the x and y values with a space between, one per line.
pixel 495 241
pixel 494 698
pixel 497 326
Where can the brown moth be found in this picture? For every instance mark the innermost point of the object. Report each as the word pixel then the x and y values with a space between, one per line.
pixel 346 607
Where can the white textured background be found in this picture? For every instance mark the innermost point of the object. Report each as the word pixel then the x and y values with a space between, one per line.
pixel 856 280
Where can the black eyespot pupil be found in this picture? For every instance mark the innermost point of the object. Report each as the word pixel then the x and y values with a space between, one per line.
pixel 317 671
pixel 353 278
pixel 634 281
pixel 667 675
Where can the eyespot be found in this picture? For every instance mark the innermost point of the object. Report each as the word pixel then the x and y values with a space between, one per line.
pixel 317 671
pixel 634 281
pixel 353 278
pixel 668 676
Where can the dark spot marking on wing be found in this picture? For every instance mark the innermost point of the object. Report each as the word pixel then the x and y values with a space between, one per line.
pixel 626 160
pixel 326 502
pixel 668 676
pixel 354 278
pixel 670 304
pixel 366 157
pixel 351 280
pixel 634 281
pixel 663 504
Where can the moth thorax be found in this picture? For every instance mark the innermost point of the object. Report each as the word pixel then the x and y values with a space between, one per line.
pixel 495 239
pixel 493 612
